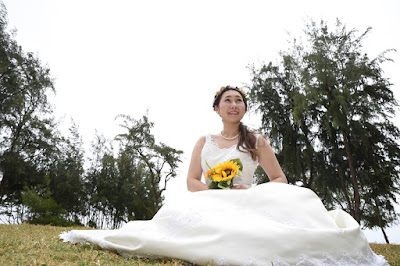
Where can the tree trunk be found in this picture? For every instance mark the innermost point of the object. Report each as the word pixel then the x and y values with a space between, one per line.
pixel 357 202
pixel 153 181
pixel 341 174
pixel 3 185
pixel 378 214
pixel 311 175
pixel 385 236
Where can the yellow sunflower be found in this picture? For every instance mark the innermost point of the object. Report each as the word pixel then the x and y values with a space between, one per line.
pixel 225 171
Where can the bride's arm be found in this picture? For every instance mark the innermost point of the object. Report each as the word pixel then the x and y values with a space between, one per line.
pixel 268 161
pixel 194 174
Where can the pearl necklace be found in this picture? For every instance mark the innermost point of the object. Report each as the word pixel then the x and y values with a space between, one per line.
pixel 229 138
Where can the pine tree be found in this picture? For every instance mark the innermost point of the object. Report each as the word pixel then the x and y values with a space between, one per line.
pixel 326 107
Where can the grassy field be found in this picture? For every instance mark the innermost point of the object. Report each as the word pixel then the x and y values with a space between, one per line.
pixel 39 245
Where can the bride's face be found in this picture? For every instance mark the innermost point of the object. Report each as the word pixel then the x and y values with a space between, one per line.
pixel 231 106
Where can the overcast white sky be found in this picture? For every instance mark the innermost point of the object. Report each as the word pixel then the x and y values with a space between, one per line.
pixel 124 57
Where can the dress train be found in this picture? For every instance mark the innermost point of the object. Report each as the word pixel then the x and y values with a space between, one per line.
pixel 269 224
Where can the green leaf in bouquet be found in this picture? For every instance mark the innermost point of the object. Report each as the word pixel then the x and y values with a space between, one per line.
pixel 239 163
pixel 221 185
pixel 213 185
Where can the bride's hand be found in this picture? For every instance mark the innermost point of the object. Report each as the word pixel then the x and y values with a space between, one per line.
pixel 239 187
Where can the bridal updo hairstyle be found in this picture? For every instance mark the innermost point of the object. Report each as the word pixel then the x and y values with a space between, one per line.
pixel 247 139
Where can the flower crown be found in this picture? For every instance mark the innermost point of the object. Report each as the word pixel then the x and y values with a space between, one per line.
pixel 217 93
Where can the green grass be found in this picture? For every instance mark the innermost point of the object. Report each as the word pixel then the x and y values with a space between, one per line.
pixel 39 245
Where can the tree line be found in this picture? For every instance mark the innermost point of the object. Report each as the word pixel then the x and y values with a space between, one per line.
pixel 324 107
pixel 42 173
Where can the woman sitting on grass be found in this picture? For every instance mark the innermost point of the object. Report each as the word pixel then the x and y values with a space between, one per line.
pixel 241 224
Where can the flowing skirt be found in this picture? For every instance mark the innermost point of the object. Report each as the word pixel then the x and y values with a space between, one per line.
pixel 269 224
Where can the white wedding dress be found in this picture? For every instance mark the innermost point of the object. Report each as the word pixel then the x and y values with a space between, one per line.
pixel 269 224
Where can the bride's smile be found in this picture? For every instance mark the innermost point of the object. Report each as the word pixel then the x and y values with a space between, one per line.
pixel 231 106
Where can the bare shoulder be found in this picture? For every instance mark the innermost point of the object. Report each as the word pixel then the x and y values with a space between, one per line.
pixel 261 140
pixel 200 143
pixel 263 146
pixel 202 140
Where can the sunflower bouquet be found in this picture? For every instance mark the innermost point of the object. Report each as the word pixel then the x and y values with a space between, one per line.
pixel 222 174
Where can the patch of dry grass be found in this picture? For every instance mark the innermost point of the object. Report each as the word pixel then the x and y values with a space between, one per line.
pixel 40 245
pixel 391 252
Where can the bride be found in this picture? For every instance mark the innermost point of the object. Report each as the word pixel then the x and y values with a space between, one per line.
pixel 269 224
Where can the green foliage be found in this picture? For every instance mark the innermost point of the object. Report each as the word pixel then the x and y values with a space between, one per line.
pixel 326 107
pixel 33 154
pixel 129 184
pixel 27 130
pixel 67 174
pixel 158 160
pixel 42 208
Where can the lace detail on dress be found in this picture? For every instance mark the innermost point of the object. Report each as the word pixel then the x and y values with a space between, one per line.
pixel 212 142
pixel 213 155
pixel 269 224
pixel 368 259
pixel 177 226
pixel 279 219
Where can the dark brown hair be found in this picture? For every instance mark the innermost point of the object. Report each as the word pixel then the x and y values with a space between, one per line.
pixel 247 138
